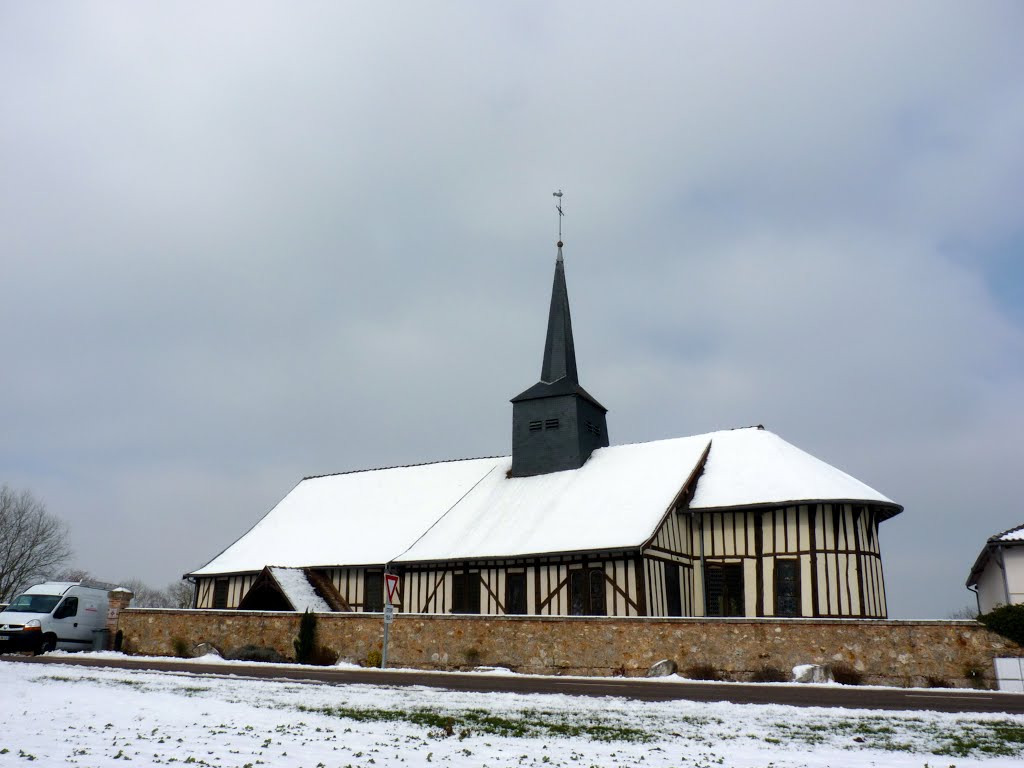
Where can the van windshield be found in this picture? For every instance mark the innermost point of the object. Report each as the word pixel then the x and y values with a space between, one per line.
pixel 33 603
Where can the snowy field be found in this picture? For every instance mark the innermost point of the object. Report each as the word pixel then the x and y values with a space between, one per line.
pixel 66 715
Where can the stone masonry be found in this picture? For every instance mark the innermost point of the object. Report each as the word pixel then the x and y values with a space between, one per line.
pixel 119 600
pixel 903 653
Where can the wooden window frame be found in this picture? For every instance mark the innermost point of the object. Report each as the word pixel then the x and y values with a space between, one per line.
pixel 728 587
pixel 523 607
pixel 221 593
pixel 373 599
pixel 466 592
pixel 587 587
pixel 798 596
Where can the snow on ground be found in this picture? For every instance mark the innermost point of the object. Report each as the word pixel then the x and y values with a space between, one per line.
pixel 67 715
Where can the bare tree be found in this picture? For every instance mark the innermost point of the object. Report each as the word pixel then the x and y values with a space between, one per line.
pixel 179 593
pixel 145 596
pixel 32 541
pixel 967 612
pixel 71 574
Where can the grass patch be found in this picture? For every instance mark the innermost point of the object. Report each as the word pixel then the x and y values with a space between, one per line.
pixel 978 738
pixel 528 724
pixel 1001 738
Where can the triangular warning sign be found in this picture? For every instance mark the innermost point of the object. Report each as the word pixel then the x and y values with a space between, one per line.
pixel 391 584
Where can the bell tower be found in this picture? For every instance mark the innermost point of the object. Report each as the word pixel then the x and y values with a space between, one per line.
pixel 556 424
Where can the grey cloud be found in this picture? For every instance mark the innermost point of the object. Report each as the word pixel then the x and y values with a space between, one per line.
pixel 246 244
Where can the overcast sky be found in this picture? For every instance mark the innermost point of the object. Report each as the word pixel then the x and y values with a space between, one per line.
pixel 243 243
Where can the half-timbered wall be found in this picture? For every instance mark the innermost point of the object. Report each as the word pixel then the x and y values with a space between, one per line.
pixel 351 584
pixel 229 588
pixel 668 567
pixel 812 560
pixel 801 560
pixel 847 569
pixel 548 582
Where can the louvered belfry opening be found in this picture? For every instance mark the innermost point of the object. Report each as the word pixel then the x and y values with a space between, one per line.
pixel 556 424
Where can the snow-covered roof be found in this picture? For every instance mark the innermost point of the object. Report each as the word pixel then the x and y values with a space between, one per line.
pixel 1011 538
pixel 471 509
pixel 749 467
pixel 1014 534
pixel 613 501
pixel 358 518
pixel 299 591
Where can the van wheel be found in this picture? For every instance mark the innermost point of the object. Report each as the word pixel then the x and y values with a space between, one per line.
pixel 49 644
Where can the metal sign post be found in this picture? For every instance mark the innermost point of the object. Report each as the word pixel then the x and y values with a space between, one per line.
pixel 390 591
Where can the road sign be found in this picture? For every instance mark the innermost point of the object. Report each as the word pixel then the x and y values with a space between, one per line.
pixel 389 614
pixel 391 582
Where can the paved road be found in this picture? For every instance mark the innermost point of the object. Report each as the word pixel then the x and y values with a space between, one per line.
pixel 633 688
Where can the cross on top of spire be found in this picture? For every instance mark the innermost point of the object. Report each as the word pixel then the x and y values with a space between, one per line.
pixel 561 213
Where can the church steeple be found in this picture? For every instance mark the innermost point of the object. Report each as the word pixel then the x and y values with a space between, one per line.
pixel 556 424
pixel 559 350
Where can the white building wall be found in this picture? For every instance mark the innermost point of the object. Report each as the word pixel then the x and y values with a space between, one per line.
pixel 1015 573
pixel 992 587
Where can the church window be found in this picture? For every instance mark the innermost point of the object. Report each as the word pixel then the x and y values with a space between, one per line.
pixel 673 596
pixel 515 593
pixel 373 591
pixel 586 593
pixel 220 593
pixel 787 588
pixel 536 426
pixel 593 429
pixel 551 424
pixel 724 589
pixel 466 592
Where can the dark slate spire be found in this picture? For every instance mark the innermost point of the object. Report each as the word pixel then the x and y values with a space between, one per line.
pixel 556 424
pixel 559 350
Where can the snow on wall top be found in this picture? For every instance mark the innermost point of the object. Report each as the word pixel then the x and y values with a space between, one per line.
pixel 299 591
pixel 471 509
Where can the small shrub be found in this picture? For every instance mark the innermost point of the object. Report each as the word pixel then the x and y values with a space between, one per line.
pixel 976 675
pixel 181 647
pixel 324 656
pixel 472 656
pixel 305 643
pixel 1006 620
pixel 256 653
pixel 768 674
pixel 937 682
pixel 702 672
pixel 844 674
pixel 373 659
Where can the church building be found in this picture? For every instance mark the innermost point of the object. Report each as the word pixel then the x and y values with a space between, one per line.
pixel 729 523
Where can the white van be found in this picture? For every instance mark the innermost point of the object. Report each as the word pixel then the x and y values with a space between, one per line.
pixel 57 614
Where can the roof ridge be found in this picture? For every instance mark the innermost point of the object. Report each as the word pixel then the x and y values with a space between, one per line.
pixel 506 456
pixel 402 466
pixel 998 536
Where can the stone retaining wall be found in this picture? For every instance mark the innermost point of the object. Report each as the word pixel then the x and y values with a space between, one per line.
pixel 905 653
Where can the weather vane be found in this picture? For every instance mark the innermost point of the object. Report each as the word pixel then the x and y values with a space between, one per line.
pixel 558 207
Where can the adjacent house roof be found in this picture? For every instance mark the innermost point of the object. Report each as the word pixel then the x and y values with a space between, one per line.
pixel 1011 538
pixel 471 509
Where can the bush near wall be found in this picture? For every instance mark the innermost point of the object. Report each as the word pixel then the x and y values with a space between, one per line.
pixel 1006 620
pixel 906 653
